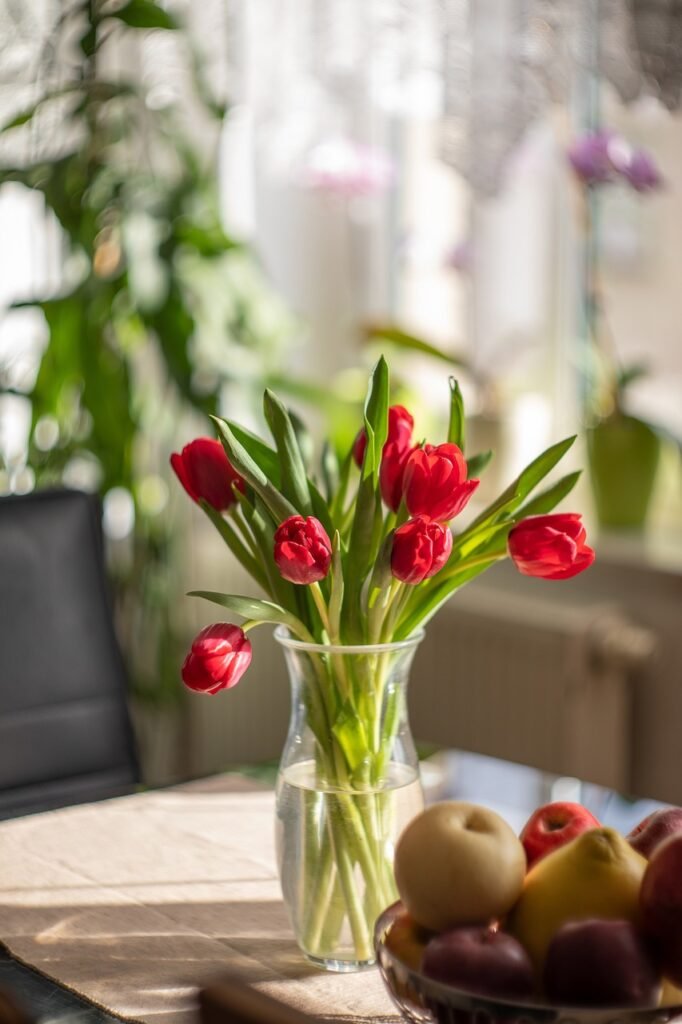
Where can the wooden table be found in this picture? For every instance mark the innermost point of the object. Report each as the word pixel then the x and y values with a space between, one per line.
pixel 137 903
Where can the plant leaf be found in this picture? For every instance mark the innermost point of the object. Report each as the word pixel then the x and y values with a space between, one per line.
pixel 329 465
pixel 365 532
pixel 320 508
pixel 410 342
pixel 457 424
pixel 351 735
pixel 550 498
pixel 251 608
pixel 304 439
pixel 376 419
pixel 236 545
pixel 511 498
pixel 477 463
pixel 273 499
pixel 425 603
pixel 262 454
pixel 342 490
pixel 337 588
pixel 144 14
pixel 294 477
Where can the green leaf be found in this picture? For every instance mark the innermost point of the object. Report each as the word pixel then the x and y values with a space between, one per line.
pixel 209 242
pixel 329 464
pixel 342 490
pixel 262 454
pixel 263 527
pixel 376 419
pixel 251 608
pixel 550 498
pixel 365 535
pixel 304 440
pixel 294 477
pixel 88 41
pixel 477 463
pixel 349 730
pixel 236 545
pixel 457 424
pixel 273 499
pixel 466 545
pixel 337 588
pixel 320 508
pixel 28 113
pixel 427 600
pixel 174 326
pixel 511 498
pixel 629 374
pixel 144 14
pixel 411 343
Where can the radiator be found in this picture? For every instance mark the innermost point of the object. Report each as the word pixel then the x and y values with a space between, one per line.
pixel 522 679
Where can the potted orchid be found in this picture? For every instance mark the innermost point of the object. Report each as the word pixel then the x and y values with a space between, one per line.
pixel 623 450
pixel 352 563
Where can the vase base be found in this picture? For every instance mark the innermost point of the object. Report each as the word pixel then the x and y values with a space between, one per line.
pixel 340 966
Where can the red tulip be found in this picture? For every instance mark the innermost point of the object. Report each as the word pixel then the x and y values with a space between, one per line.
pixel 219 657
pixel 435 482
pixel 400 424
pixel 392 472
pixel 552 547
pixel 205 471
pixel 421 547
pixel 303 550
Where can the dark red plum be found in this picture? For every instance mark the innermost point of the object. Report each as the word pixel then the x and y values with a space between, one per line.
pixel 597 962
pixel 480 960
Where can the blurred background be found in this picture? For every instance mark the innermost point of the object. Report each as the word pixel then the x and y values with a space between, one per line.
pixel 199 200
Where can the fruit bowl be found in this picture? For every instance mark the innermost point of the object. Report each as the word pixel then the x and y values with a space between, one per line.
pixel 424 1001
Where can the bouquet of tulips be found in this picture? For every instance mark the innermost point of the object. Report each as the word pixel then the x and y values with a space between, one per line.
pixel 358 554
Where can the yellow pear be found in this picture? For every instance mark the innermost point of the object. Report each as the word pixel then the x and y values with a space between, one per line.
pixel 598 874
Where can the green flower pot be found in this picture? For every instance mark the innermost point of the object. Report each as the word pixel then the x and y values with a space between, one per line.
pixel 623 454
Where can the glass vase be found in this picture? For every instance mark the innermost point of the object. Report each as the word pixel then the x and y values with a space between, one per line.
pixel 348 783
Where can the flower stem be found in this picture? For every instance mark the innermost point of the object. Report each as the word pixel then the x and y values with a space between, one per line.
pixel 321 606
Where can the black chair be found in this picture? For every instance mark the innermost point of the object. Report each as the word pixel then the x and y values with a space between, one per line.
pixel 65 732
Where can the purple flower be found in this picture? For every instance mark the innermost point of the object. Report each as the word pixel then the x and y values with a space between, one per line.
pixel 601 157
pixel 589 157
pixel 641 172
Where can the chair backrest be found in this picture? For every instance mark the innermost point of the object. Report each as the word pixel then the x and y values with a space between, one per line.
pixel 65 732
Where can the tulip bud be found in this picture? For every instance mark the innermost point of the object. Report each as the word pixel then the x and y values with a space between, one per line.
pixel 400 424
pixel 421 547
pixel 552 547
pixel 205 472
pixel 219 657
pixel 435 482
pixel 303 551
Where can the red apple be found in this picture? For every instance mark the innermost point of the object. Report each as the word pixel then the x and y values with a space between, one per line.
pixel 596 962
pixel 480 960
pixel 661 902
pixel 656 827
pixel 554 825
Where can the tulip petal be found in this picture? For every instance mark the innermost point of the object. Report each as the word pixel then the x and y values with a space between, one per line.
pixel 178 465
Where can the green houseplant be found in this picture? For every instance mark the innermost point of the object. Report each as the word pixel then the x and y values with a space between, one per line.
pixel 623 449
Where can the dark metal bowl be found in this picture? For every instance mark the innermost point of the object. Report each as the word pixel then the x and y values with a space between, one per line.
pixel 425 1001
